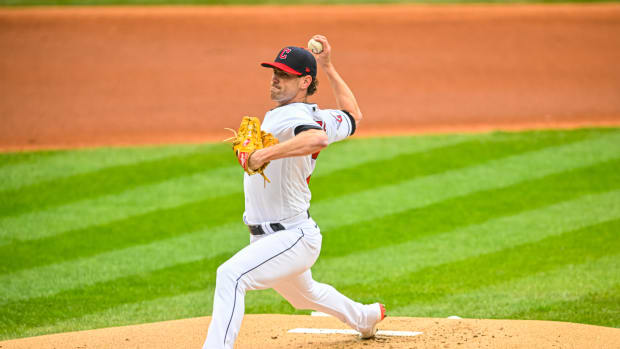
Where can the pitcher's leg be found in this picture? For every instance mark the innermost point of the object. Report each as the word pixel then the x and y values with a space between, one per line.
pixel 305 293
pixel 228 307
pixel 257 266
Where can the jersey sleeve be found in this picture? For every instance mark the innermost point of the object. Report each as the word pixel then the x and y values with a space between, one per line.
pixel 291 122
pixel 338 124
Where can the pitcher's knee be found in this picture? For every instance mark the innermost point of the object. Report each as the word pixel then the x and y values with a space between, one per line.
pixel 226 273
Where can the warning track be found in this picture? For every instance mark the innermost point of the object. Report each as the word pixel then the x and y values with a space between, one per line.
pixel 130 75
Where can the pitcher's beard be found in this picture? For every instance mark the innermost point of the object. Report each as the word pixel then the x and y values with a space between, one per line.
pixel 276 94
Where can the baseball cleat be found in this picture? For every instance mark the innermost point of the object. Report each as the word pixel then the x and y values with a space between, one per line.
pixel 379 312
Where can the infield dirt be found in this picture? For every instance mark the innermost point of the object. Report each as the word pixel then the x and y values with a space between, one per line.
pixel 95 76
pixel 271 331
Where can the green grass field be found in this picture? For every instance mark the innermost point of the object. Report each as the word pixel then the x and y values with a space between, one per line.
pixel 499 225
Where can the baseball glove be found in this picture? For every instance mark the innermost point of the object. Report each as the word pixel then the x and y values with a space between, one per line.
pixel 248 139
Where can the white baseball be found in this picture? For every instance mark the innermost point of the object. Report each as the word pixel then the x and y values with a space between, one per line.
pixel 315 46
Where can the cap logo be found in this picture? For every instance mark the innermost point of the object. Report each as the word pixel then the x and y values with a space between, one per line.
pixel 285 52
pixel 307 70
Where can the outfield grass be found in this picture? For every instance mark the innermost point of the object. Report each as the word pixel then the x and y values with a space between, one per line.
pixel 500 225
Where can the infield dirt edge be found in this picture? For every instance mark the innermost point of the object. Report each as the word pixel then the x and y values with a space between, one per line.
pixel 270 331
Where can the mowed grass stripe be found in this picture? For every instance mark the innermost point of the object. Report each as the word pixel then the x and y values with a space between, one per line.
pixel 182 306
pixel 409 166
pixel 510 298
pixel 474 208
pixel 22 169
pixel 475 241
pixel 17 316
pixel 54 278
pixel 595 308
pixel 109 180
pixel 430 283
pixel 442 216
pixel 15 158
pixel 221 210
pixel 116 208
pixel 185 248
pixel 470 241
pixel 39 224
pixel 371 204
pixel 187 189
pixel 136 230
pixel 114 179
pixel 358 151
pixel 586 289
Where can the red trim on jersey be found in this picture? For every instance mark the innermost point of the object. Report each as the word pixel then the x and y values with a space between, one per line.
pixel 316 155
pixel 282 66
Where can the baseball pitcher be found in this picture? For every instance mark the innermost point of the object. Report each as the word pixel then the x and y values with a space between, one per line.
pixel 284 240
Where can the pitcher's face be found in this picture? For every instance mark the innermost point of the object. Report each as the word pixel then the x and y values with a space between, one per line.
pixel 284 86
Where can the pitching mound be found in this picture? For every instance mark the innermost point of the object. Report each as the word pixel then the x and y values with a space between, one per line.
pixel 271 331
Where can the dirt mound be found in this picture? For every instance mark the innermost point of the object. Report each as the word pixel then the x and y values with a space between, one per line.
pixel 270 331
pixel 103 76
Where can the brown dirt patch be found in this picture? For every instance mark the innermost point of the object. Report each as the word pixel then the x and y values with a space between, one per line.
pixel 270 331
pixel 104 76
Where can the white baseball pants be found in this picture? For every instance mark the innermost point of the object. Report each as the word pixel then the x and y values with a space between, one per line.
pixel 279 260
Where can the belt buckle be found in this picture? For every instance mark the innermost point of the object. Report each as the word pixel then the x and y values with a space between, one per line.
pixel 256 230
pixel 276 227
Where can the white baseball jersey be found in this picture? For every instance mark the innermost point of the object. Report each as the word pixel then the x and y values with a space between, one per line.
pixel 288 193
pixel 281 259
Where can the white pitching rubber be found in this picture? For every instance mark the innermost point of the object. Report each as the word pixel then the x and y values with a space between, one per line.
pixel 337 331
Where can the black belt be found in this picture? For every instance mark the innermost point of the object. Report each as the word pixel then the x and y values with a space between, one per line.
pixel 258 229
